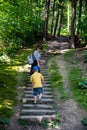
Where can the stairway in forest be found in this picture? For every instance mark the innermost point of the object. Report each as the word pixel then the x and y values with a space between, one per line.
pixel 44 110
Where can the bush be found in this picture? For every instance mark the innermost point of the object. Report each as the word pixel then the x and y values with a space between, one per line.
pixel 83 84
pixel 4 123
pixel 85 56
pixel 4 58
pixel 84 121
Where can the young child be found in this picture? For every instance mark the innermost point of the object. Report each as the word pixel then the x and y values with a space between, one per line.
pixel 37 80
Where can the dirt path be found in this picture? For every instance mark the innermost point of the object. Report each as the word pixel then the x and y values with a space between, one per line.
pixel 70 112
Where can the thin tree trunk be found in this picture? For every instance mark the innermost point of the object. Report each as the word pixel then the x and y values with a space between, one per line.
pixel 68 16
pixel 52 24
pixel 72 40
pixel 60 19
pixel 37 13
pixel 47 4
pixel 79 17
pixel 56 23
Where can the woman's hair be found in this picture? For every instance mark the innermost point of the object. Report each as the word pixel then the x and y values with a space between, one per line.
pixel 39 46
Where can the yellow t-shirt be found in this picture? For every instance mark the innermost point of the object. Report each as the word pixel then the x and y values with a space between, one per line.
pixel 36 79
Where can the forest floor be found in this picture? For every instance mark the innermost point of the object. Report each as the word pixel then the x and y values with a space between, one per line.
pixel 71 113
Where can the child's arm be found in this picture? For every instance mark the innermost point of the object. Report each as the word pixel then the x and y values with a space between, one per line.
pixel 42 79
pixel 31 81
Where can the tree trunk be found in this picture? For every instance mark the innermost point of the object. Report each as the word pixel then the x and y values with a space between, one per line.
pixel 60 19
pixel 68 16
pixel 38 14
pixel 79 17
pixel 72 39
pixel 47 4
pixel 57 17
pixel 52 24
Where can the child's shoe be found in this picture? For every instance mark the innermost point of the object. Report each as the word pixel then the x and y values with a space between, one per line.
pixel 40 100
pixel 35 103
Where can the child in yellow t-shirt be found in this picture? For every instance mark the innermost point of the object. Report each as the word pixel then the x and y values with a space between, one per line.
pixel 37 80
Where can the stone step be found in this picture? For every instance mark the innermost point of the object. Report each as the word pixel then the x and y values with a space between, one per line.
pixel 44 88
pixel 37 111
pixel 45 92
pixel 43 110
pixel 43 56
pixel 43 73
pixel 47 81
pixel 40 106
pixel 37 118
pixel 44 62
pixel 45 84
pixel 45 76
pixel 30 100
pixel 42 69
pixel 44 96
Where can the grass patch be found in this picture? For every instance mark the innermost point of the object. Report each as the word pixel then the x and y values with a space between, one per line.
pixel 24 122
pixel 75 79
pixel 85 56
pixel 68 55
pixel 56 79
pixel 79 94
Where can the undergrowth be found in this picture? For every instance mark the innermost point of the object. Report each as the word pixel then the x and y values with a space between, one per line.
pixel 51 123
pixel 56 79
pixel 77 82
pixel 8 84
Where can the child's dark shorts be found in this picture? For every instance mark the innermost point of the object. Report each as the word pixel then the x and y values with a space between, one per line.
pixel 37 91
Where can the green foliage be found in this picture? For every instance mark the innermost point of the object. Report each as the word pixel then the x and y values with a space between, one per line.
pixel 51 123
pixel 8 73
pixel 77 83
pixel 79 94
pixel 84 121
pixel 23 122
pixel 83 84
pixel 85 56
pixel 19 23
pixel 84 27
pixel 68 55
pixel 45 123
pixel 8 92
pixel 4 58
pixel 4 123
pixel 56 79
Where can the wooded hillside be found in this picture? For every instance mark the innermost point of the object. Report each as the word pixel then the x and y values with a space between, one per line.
pixel 23 22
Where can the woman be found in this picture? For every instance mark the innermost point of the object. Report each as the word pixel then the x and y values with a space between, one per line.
pixel 37 57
